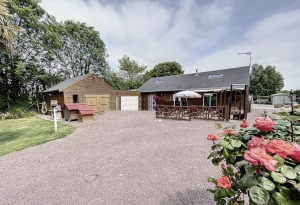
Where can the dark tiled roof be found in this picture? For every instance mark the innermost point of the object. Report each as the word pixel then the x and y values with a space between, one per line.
pixel 83 108
pixel 199 81
pixel 62 85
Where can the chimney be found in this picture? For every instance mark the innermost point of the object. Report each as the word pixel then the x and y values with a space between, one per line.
pixel 196 74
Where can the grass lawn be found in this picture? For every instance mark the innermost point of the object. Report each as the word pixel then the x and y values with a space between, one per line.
pixel 18 134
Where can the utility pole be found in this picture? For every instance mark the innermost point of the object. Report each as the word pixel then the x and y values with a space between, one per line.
pixel 247 53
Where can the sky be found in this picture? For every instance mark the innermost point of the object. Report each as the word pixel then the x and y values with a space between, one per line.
pixel 198 34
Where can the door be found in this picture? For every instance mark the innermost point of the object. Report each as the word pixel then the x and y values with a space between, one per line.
pixel 129 103
pixel 151 102
pixel 99 103
pixel 210 99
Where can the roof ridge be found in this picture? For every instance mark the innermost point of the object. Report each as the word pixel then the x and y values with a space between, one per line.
pixel 202 72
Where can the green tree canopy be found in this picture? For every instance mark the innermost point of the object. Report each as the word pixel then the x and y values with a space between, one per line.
pixel 265 81
pixel 165 69
pixel 82 50
pixel 129 76
pixel 7 29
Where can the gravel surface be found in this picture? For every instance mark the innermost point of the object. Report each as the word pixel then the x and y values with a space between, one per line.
pixel 120 158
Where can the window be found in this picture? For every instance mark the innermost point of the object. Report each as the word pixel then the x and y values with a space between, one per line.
pixel 216 75
pixel 75 98
pixel 160 81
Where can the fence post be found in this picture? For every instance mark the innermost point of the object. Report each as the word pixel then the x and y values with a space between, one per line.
pixel 226 110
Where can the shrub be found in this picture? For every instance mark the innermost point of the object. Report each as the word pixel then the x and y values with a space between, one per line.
pixel 262 162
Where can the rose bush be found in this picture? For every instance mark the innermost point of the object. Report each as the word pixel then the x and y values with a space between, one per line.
pixel 261 162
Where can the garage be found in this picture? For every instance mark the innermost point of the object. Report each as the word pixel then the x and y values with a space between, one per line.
pixel 129 103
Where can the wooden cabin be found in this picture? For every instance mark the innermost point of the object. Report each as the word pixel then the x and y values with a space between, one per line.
pixel 227 87
pixel 93 91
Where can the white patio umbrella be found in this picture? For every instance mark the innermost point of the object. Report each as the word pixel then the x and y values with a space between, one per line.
pixel 186 94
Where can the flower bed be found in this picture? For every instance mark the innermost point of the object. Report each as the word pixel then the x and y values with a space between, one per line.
pixel 262 162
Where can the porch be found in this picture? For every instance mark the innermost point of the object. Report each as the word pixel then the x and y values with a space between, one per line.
pixel 192 112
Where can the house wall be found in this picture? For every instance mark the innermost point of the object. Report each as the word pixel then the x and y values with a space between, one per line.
pixel 238 98
pixel 92 85
pixel 54 96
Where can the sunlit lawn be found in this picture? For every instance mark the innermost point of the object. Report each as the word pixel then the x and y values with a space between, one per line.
pixel 18 134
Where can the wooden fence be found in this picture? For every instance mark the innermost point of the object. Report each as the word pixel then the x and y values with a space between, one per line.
pixel 192 112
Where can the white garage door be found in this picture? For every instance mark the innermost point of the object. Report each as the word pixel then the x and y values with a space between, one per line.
pixel 129 103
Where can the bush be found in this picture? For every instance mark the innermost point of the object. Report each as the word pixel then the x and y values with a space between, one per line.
pixel 15 113
pixel 262 162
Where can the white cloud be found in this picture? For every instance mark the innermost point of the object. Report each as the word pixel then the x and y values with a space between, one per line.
pixel 147 30
pixel 151 32
pixel 272 41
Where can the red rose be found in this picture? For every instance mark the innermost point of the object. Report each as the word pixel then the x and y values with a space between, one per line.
pixel 224 182
pixel 258 154
pixel 244 124
pixel 264 124
pixel 279 147
pixel 212 137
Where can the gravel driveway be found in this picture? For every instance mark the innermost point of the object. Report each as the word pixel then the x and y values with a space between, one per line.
pixel 120 158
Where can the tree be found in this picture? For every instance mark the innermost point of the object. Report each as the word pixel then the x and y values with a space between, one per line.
pixel 265 81
pixel 22 72
pixel 7 29
pixel 166 69
pixel 130 74
pixel 133 70
pixel 82 50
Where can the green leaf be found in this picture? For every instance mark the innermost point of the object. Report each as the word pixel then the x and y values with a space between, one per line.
pixel 225 153
pixel 248 181
pixel 211 190
pixel 293 118
pixel 259 195
pixel 249 170
pixel 279 160
pixel 232 158
pixel 219 194
pixel 247 136
pixel 221 202
pixel 288 172
pixel 215 161
pixel 285 192
pixel 230 169
pixel 280 200
pixel 297 169
pixel 241 163
pixel 236 143
pixel 275 117
pixel 218 125
pixel 266 183
pixel 225 144
pixel 213 154
pixel 230 192
pixel 278 177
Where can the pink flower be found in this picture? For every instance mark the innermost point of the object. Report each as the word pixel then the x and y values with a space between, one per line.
pixel 223 166
pixel 224 182
pixel 244 124
pixel 212 137
pixel 258 156
pixel 264 124
pixel 279 147
pixel 295 153
pixel 228 132
pixel 257 142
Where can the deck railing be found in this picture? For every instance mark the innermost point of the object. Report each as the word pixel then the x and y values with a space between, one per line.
pixel 192 112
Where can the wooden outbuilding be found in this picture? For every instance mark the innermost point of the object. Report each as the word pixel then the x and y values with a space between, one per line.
pixel 93 91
